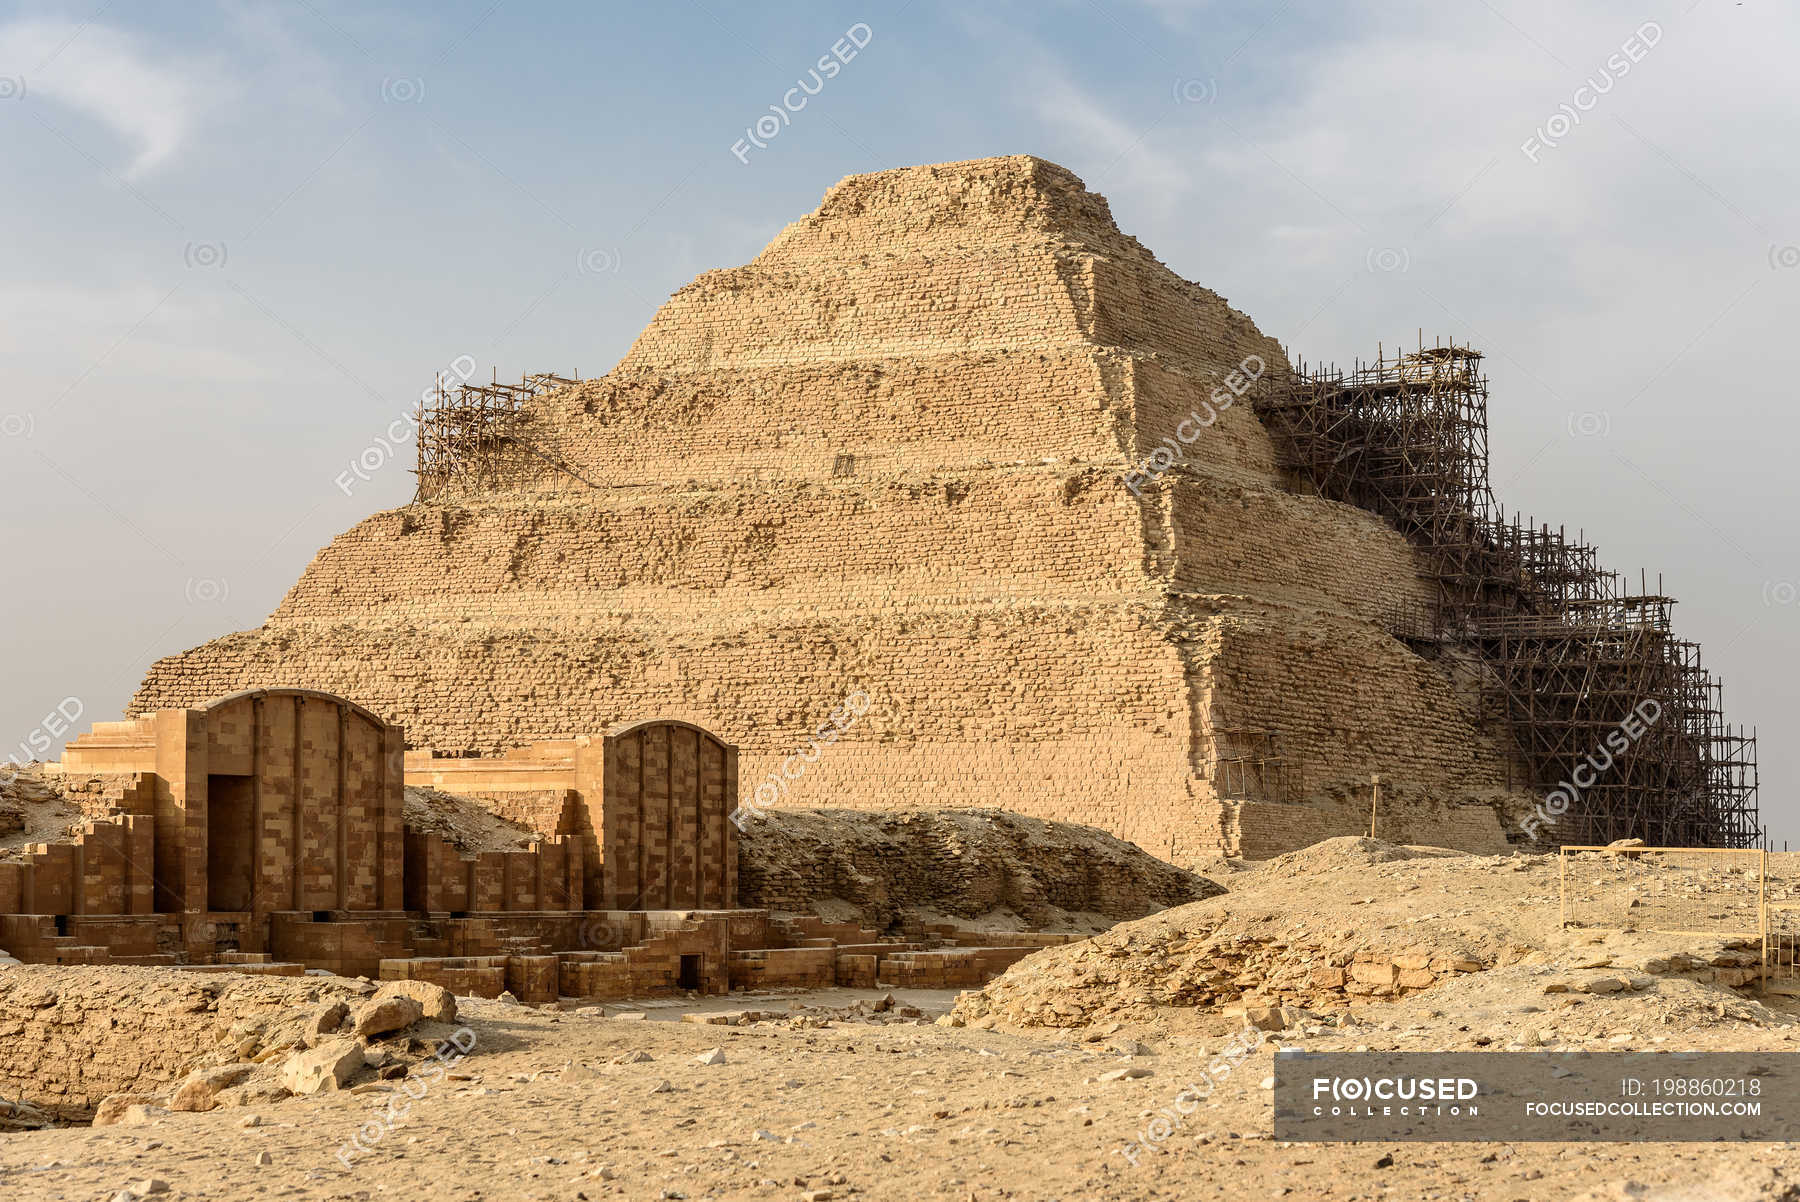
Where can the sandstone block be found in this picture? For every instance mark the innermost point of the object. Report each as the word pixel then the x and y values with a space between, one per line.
pixel 198 1090
pixel 436 1003
pixel 326 1067
pixel 381 1016
pixel 112 1108
pixel 1266 1018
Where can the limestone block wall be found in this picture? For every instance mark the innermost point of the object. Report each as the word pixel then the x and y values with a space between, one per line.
pixel 1004 675
pixel 1161 399
pixel 1235 538
pixel 1029 534
pixel 104 870
pixel 899 417
pixel 265 801
pixel 768 314
pixel 668 842
pixel 440 880
pixel 1346 701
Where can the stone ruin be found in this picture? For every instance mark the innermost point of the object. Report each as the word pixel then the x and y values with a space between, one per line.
pixel 265 833
pixel 955 444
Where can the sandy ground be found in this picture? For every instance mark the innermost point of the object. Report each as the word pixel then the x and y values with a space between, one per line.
pixel 895 1111
pixel 584 1104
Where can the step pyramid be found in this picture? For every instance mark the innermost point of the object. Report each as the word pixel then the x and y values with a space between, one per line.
pixel 906 462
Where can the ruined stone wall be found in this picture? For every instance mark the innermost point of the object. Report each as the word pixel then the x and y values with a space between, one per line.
pixel 1232 538
pixel 967 863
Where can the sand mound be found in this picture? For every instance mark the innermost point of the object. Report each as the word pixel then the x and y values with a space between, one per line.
pixel 988 866
pixel 1355 919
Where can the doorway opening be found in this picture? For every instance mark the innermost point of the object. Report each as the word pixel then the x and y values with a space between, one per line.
pixel 230 843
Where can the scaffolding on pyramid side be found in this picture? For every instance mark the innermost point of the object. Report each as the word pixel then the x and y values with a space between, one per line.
pixel 475 438
pixel 1618 721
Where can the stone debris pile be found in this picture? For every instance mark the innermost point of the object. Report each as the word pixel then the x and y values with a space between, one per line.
pixel 881 869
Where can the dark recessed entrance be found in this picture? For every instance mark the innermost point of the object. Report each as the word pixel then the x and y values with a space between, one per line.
pixel 230 880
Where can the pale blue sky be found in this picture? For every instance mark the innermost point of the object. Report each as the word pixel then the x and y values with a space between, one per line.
pixel 242 236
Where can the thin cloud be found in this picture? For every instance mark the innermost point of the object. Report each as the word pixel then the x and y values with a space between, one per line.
pixel 110 76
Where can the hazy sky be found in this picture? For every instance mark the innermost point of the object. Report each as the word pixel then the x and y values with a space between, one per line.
pixel 241 237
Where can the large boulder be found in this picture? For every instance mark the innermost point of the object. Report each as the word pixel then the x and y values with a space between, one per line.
pixel 437 1003
pixel 199 1089
pixel 112 1107
pixel 324 1068
pixel 382 1015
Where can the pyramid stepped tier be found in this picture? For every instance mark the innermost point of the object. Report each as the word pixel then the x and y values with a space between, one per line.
pixel 1001 254
pixel 886 457
pixel 900 418
pixel 727 556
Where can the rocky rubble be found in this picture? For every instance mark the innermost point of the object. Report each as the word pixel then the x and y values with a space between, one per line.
pixel 465 823
pixel 881 869
pixel 34 808
pixel 802 1016
pixel 154 1040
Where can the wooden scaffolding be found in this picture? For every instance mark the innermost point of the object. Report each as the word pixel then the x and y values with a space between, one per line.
pixel 1575 660
pixel 482 437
